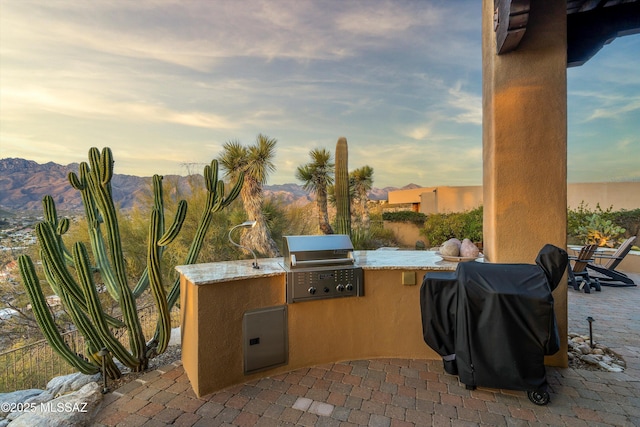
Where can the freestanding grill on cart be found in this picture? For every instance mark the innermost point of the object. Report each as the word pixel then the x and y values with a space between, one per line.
pixel 494 323
pixel 320 267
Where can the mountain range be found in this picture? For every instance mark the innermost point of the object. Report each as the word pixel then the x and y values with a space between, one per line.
pixel 23 184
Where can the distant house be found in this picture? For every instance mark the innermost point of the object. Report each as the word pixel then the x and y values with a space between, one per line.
pixel 429 200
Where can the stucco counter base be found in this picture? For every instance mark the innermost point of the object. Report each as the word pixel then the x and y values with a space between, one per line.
pixel 385 322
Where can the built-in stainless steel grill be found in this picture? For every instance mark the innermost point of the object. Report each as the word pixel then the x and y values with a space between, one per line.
pixel 321 267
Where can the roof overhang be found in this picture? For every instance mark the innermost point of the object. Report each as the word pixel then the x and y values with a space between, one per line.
pixel 590 25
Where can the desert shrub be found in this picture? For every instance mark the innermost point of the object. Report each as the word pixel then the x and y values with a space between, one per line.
pixel 417 218
pixel 372 238
pixel 441 227
pixel 604 227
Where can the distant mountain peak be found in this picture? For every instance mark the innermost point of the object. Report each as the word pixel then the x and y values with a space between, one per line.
pixel 23 184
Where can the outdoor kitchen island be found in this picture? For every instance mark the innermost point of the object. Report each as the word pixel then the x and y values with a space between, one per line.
pixel 384 322
pixel 235 317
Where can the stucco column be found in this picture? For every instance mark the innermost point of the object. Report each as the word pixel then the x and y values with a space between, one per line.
pixel 524 140
pixel 524 136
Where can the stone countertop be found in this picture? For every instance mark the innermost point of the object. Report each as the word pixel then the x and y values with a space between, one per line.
pixel 226 271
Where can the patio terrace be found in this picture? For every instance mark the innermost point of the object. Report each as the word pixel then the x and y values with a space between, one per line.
pixel 403 392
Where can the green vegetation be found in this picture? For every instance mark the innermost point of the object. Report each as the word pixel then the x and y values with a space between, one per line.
pixel 438 228
pixel 417 218
pixel 255 163
pixel 317 176
pixel 601 227
pixel 341 190
pixel 76 277
pixel 360 183
pixel 584 226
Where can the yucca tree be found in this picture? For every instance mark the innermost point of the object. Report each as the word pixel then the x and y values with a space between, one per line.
pixel 361 182
pixel 317 177
pixel 256 163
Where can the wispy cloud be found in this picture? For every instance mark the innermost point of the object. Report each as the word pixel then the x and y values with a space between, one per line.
pixel 167 82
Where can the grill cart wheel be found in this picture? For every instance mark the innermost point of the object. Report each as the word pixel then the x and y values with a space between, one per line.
pixel 538 397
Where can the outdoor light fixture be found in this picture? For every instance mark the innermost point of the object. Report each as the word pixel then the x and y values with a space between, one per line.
pixel 103 353
pixel 245 224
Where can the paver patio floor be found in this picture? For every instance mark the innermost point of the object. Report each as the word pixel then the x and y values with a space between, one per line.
pixel 401 392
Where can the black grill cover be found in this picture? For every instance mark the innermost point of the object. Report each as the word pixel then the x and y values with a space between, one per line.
pixel 494 323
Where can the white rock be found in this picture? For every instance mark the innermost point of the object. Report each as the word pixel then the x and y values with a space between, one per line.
pixel 610 368
pixel 584 348
pixel 589 358
pixel 73 409
pixel 19 396
pixel 175 336
pixel 72 382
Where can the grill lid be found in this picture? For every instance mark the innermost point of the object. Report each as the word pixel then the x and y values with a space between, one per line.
pixel 317 251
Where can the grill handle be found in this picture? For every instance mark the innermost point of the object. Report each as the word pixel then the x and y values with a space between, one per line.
pixel 296 263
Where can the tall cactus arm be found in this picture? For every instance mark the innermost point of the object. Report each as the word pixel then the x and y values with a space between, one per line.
pixel 343 204
pixel 234 193
pixel 98 246
pixel 215 194
pixel 75 305
pixel 95 310
pixel 102 262
pixel 45 319
pixel 102 193
pixel 168 237
pixel 173 231
pixel 142 284
pixel 92 340
pixel 163 325
pixel 57 275
pixel 55 264
pixel 98 181
pixel 81 184
pixel 60 225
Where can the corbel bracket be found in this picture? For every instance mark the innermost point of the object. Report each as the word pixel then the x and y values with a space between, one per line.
pixel 510 18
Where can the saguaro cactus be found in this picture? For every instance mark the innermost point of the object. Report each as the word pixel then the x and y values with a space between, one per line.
pixel 343 202
pixel 72 277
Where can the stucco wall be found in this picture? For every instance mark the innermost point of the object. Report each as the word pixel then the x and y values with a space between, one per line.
pixel 620 195
pixel 385 322
pixel 405 233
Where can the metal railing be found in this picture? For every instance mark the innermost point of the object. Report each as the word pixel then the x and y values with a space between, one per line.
pixel 35 364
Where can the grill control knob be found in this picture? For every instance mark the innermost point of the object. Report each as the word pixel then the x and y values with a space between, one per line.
pixel 340 288
pixel 312 290
pixel 349 287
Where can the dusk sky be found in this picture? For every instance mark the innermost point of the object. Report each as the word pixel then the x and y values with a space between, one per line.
pixel 166 83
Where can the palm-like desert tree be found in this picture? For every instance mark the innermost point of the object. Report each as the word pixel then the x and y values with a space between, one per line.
pixel 361 181
pixel 256 161
pixel 317 176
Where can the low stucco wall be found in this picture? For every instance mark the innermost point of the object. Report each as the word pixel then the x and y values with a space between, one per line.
pixel 619 195
pixel 385 322
pixel 405 233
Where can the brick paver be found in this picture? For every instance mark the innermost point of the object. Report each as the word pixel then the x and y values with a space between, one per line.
pixel 401 392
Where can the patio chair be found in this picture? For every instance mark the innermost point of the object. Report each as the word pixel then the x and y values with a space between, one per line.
pixel 579 275
pixel 608 269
